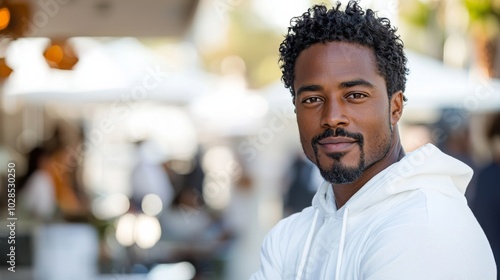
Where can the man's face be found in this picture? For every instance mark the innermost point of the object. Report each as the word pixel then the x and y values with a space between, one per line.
pixel 343 111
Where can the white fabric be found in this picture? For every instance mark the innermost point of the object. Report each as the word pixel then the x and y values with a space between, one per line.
pixel 305 252
pixel 39 195
pixel 74 247
pixel 410 221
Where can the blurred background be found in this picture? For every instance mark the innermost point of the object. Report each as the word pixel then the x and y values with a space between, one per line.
pixel 154 140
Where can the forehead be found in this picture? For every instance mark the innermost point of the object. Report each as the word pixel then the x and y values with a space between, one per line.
pixel 338 58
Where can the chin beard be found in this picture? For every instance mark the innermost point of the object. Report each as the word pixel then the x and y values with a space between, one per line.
pixel 341 174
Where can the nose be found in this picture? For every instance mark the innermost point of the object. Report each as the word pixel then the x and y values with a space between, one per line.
pixel 334 115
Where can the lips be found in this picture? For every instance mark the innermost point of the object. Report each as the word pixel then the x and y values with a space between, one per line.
pixel 338 141
pixel 336 144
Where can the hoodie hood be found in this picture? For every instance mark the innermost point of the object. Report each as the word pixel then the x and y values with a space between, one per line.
pixel 409 173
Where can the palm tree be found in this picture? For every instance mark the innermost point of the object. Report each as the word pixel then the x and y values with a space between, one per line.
pixel 484 24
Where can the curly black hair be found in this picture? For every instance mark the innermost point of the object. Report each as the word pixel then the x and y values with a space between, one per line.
pixel 353 25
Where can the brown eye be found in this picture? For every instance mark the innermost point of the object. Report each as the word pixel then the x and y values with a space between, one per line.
pixel 312 99
pixel 356 95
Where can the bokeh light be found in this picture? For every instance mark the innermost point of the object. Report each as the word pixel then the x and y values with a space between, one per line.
pixel 111 206
pixel 151 204
pixel 125 230
pixel 147 231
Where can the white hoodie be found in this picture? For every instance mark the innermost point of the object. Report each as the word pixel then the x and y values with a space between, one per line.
pixel 410 221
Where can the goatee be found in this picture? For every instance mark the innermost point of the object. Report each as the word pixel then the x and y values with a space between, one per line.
pixel 339 173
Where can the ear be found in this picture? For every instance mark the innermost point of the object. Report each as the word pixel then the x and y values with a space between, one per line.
pixel 295 108
pixel 396 107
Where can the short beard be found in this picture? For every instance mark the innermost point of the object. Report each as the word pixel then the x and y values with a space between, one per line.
pixel 339 173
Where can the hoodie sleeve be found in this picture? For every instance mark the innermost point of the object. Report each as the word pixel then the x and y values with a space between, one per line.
pixel 271 257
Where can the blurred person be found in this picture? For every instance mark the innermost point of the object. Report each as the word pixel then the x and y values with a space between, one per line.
pixel 149 175
pixel 381 213
pixel 48 188
pixel 303 184
pixel 487 200
pixel 238 222
pixel 37 194
pixel 193 232
pixel 63 161
pixel 455 141
pixel 49 193
pixel 194 179
pixel 237 213
pixel 187 219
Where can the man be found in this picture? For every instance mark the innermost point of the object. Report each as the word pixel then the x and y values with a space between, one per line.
pixel 381 213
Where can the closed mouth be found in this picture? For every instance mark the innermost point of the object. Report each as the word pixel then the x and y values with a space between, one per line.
pixel 336 140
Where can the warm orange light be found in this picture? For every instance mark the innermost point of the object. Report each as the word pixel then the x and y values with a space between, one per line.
pixel 4 18
pixel 54 54
pixel 60 55
pixel 5 70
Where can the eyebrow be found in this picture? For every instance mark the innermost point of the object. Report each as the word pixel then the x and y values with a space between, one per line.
pixel 343 85
pixel 308 88
pixel 357 82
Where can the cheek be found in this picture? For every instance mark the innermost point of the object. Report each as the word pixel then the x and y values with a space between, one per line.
pixel 304 129
pixel 305 141
pixel 306 135
pixel 377 136
pixel 308 122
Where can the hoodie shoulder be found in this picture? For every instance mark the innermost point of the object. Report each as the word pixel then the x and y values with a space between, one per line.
pixel 283 245
pixel 292 230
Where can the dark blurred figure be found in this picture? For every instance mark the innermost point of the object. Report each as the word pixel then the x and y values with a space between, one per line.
pixel 194 179
pixel 451 135
pixel 304 181
pixel 487 199
pixel 193 233
pixel 37 188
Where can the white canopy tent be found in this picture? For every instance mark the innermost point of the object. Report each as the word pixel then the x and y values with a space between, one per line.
pixel 118 70
pixel 433 85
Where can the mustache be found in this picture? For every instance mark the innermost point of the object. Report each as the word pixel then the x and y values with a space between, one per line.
pixel 338 132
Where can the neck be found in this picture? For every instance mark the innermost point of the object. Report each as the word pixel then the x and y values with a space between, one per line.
pixel 343 192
